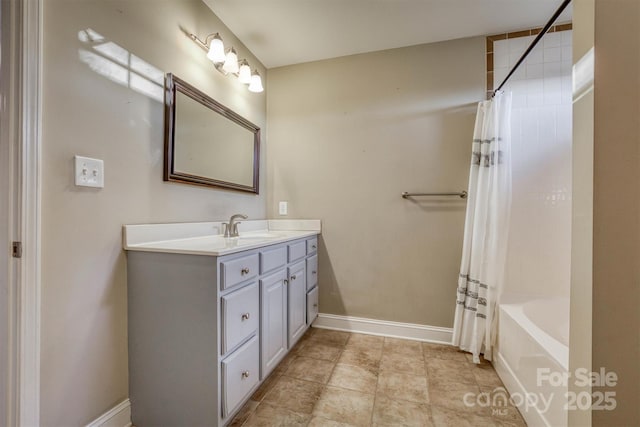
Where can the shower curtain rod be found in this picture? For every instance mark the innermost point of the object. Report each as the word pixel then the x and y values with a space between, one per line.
pixel 533 44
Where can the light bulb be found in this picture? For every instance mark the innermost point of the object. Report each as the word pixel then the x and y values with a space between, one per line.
pixel 231 62
pixel 244 75
pixel 256 82
pixel 216 50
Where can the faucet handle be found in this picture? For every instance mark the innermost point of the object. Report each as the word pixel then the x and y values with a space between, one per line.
pixel 234 232
pixel 225 229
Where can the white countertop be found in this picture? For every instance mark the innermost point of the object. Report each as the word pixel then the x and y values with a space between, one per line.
pixel 205 238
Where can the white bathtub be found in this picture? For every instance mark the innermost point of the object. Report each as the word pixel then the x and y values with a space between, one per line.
pixel 533 340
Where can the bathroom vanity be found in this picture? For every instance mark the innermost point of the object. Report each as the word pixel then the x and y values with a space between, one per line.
pixel 210 317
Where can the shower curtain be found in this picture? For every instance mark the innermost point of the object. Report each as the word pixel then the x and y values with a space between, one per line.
pixel 485 232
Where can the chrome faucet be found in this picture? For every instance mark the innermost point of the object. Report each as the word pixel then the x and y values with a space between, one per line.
pixel 231 228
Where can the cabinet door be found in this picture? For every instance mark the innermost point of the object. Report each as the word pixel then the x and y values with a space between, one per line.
pixel 273 328
pixel 297 302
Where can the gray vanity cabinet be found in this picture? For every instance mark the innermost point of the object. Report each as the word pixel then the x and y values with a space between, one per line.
pixel 204 331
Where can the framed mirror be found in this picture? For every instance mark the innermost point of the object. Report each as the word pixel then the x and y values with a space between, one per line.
pixel 206 143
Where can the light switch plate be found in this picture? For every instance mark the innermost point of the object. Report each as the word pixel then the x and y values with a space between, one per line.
pixel 283 208
pixel 89 172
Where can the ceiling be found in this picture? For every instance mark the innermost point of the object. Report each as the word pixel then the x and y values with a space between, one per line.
pixel 284 32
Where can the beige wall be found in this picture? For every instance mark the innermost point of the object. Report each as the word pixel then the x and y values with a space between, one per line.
pixel 346 137
pixel 90 110
pixel 582 209
pixel 605 295
pixel 616 205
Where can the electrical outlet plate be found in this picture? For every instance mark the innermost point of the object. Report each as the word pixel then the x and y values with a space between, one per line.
pixel 89 172
pixel 283 208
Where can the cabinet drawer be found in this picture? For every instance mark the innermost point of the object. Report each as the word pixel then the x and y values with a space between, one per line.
pixel 240 316
pixel 239 375
pixel 312 245
pixel 238 270
pixel 312 305
pixel 272 259
pixel 312 271
pixel 297 250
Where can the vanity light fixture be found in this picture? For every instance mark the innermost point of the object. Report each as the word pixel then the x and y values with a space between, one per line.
pixel 244 73
pixel 256 82
pixel 231 62
pixel 216 49
pixel 226 61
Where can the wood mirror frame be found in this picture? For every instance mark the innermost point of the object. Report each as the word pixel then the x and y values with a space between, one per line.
pixel 243 131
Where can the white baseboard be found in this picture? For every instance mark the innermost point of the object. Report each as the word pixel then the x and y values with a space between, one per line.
pixel 385 328
pixel 118 416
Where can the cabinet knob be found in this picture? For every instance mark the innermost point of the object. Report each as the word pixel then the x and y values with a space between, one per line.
pixel 293 277
pixel 246 316
pixel 244 271
pixel 245 374
pixel 313 272
pixel 286 282
pixel 313 246
pixel 315 305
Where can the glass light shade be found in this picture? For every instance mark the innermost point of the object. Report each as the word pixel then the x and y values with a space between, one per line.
pixel 256 82
pixel 216 50
pixel 231 62
pixel 244 75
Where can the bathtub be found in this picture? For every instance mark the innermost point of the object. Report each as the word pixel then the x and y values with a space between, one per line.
pixel 532 358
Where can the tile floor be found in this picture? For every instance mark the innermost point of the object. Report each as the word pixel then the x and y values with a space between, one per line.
pixel 333 378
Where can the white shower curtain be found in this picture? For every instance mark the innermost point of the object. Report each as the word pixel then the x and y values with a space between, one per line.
pixel 486 227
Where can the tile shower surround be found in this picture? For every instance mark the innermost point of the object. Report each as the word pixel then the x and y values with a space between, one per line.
pixel 333 378
pixel 492 83
pixel 541 159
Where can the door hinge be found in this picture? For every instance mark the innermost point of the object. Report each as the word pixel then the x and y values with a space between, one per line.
pixel 16 251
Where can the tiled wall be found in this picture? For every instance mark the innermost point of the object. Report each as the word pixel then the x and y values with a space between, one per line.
pixel 538 262
pixel 491 85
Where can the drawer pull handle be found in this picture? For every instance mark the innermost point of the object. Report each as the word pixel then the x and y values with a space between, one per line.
pixel 244 271
pixel 246 316
pixel 293 277
pixel 245 374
